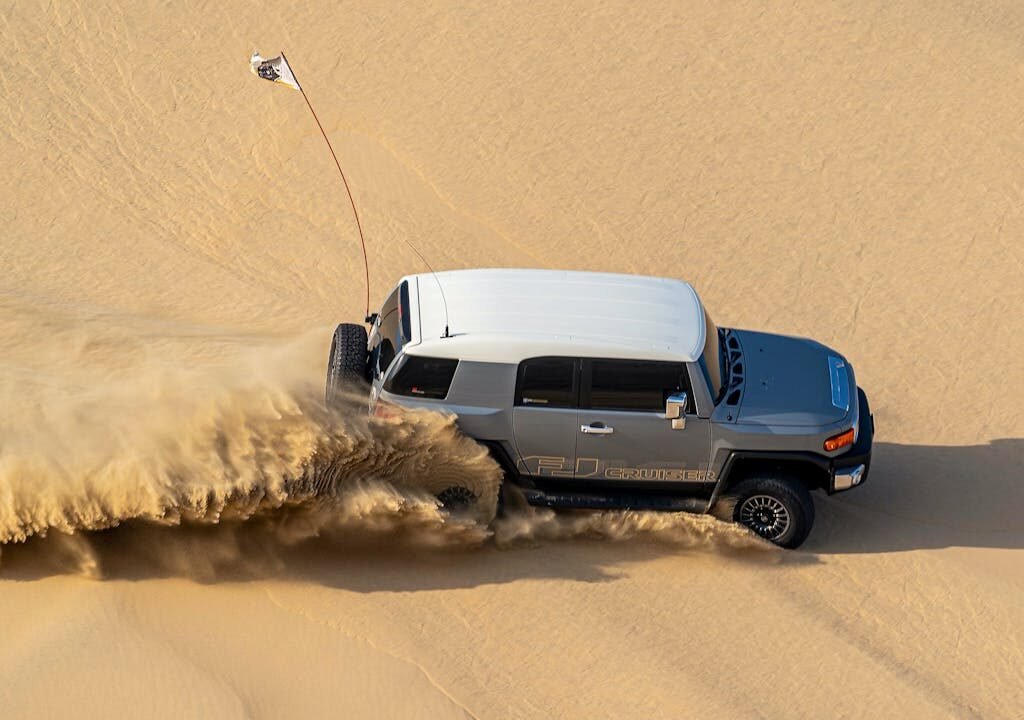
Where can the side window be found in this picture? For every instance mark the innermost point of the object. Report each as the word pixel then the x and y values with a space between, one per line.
pixel 635 384
pixel 547 382
pixel 424 377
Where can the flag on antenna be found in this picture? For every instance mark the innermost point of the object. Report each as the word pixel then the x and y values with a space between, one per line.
pixel 274 69
pixel 277 70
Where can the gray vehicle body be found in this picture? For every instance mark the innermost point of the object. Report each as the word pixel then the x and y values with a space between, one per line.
pixel 778 400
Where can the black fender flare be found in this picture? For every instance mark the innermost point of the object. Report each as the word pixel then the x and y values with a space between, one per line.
pixel 501 456
pixel 725 479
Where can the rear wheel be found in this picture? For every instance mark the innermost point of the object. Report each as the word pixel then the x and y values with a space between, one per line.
pixel 776 507
pixel 457 499
pixel 347 366
pixel 462 496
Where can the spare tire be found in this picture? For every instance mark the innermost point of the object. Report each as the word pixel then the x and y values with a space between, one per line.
pixel 347 365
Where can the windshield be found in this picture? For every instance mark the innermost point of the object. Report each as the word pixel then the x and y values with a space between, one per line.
pixel 712 360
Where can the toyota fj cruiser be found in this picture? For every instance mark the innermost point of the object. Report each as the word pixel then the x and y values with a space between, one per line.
pixel 597 390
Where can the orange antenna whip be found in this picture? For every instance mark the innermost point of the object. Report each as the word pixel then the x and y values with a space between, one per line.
pixel 348 190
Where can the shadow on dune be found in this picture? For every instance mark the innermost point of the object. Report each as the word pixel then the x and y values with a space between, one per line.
pixel 920 497
pixel 578 561
pixel 398 561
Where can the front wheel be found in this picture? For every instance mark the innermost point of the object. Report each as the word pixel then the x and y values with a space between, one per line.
pixel 777 508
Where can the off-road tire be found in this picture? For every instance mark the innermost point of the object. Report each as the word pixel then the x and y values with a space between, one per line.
pixel 766 497
pixel 456 499
pixel 460 494
pixel 466 500
pixel 347 365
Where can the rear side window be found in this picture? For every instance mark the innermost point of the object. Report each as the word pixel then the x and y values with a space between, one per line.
pixel 634 384
pixel 424 377
pixel 547 382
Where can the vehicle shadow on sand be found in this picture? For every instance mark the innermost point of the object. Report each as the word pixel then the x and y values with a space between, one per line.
pixel 580 561
pixel 361 562
pixel 920 497
pixel 917 497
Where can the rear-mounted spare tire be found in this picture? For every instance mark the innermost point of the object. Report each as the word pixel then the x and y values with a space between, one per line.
pixel 347 367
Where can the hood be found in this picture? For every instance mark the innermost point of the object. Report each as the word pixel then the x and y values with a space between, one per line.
pixel 792 381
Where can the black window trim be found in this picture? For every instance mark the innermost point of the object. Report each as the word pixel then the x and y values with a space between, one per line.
pixel 404 312
pixel 575 392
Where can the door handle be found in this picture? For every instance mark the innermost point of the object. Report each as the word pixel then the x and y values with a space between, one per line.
pixel 596 430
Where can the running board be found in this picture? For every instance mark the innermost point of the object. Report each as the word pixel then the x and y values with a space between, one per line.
pixel 663 503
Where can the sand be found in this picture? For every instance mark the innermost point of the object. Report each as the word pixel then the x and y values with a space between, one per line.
pixel 177 248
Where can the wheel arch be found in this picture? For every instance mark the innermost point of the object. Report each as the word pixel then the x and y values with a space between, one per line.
pixel 811 471
pixel 501 455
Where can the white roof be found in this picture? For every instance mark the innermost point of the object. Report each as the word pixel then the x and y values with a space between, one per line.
pixel 510 315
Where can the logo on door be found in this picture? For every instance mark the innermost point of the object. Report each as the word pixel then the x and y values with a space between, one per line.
pixel 553 466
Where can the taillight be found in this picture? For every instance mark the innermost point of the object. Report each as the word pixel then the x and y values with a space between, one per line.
pixel 385 410
pixel 839 441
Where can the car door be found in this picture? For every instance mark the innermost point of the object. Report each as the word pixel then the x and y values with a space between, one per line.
pixel 623 435
pixel 544 418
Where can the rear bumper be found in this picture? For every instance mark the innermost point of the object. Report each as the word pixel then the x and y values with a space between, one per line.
pixel 851 470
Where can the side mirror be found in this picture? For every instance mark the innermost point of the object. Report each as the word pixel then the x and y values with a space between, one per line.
pixel 675 410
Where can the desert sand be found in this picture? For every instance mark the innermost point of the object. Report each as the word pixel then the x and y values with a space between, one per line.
pixel 177 248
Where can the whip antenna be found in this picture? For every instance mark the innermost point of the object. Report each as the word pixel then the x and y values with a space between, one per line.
pixel 444 301
pixel 277 70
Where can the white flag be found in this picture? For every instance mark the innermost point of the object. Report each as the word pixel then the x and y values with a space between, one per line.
pixel 274 69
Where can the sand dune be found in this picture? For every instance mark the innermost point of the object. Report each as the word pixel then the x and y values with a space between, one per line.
pixel 177 248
